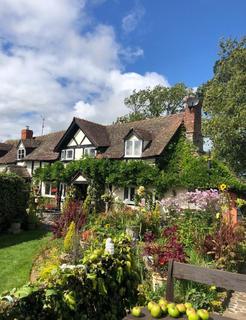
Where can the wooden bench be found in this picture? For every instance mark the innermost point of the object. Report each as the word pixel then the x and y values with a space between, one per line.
pixel 183 271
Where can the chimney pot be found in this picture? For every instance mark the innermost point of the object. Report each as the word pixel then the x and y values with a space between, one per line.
pixel 26 133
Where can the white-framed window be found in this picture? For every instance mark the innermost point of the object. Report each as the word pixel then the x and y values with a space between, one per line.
pixel 129 194
pixel 67 154
pixel 21 153
pixel 133 148
pixel 91 152
pixel 50 189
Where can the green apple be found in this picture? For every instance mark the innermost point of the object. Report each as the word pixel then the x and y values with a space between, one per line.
pixel 193 316
pixel 173 312
pixel 164 308
pixel 171 304
pixel 203 314
pixel 150 305
pixel 181 307
pixel 163 301
pixel 156 311
pixel 190 310
pixel 136 312
pixel 188 305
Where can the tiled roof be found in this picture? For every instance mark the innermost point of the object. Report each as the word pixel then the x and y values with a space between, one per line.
pixel 157 131
pixel 97 133
pixel 5 146
pixel 160 129
pixel 44 148
pixel 10 157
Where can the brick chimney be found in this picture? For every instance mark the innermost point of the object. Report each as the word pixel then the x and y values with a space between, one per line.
pixel 26 133
pixel 193 121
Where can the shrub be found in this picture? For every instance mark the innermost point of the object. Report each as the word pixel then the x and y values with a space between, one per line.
pixel 103 288
pixel 69 238
pixel 73 212
pixel 225 246
pixel 13 199
pixel 169 248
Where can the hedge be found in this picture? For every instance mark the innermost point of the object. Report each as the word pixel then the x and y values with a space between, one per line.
pixel 14 193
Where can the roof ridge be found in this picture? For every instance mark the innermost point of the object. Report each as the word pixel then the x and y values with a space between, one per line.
pixel 179 114
pixel 92 122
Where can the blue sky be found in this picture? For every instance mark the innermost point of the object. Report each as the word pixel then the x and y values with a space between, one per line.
pixel 65 58
pixel 179 37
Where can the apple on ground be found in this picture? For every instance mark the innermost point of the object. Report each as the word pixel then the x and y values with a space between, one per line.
pixel 173 312
pixel 171 304
pixel 203 314
pixel 190 310
pixel 193 316
pixel 181 307
pixel 164 308
pixel 188 305
pixel 163 301
pixel 136 312
pixel 156 311
pixel 150 305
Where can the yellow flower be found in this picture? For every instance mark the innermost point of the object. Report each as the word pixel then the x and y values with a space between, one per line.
pixel 217 215
pixel 107 226
pixel 141 191
pixel 212 288
pixel 216 303
pixel 222 187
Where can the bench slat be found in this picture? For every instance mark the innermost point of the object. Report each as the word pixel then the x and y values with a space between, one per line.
pixel 221 279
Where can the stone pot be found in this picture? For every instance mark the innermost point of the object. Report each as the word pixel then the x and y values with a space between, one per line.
pixel 158 280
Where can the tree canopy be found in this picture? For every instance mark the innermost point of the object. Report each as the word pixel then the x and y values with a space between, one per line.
pixel 153 102
pixel 224 101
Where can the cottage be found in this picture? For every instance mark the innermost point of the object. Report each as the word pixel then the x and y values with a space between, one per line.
pixel 145 140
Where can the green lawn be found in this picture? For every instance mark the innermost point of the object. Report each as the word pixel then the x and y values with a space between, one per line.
pixel 16 256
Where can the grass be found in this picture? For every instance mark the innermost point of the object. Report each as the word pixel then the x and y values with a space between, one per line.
pixel 17 252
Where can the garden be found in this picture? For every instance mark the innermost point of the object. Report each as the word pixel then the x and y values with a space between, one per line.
pixel 105 258
pixel 102 264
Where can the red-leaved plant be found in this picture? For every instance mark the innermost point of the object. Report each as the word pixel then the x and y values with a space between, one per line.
pixel 223 246
pixel 171 248
pixel 72 212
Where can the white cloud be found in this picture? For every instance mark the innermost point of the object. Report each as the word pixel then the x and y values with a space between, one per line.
pixel 131 20
pixel 54 63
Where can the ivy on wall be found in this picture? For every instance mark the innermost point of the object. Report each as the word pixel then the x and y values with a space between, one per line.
pixel 179 166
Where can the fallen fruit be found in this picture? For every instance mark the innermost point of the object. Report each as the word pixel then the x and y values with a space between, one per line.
pixel 193 316
pixel 181 307
pixel 163 301
pixel 188 305
pixel 203 314
pixel 136 312
pixel 173 312
pixel 164 308
pixel 150 305
pixel 156 311
pixel 190 310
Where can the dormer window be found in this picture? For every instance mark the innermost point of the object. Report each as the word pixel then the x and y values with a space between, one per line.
pixel 21 153
pixel 133 147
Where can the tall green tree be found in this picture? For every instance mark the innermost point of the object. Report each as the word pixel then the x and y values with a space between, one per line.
pixel 150 103
pixel 224 101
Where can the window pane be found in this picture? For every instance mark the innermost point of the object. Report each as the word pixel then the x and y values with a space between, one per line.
pixel 132 194
pixel 47 188
pixel 125 193
pixel 69 154
pixel 137 148
pixel 129 146
pixel 53 189
pixel 63 154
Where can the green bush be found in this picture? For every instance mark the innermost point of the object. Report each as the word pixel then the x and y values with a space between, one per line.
pixel 103 288
pixel 14 193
